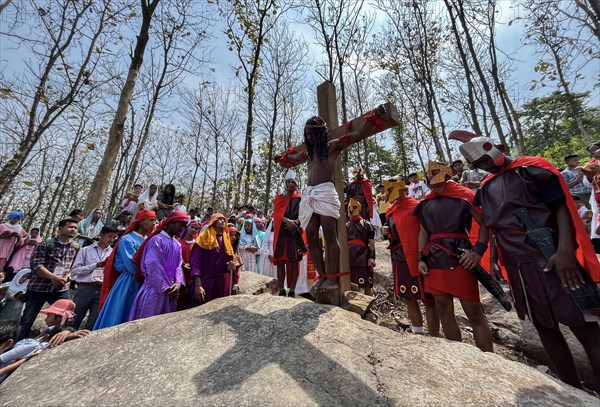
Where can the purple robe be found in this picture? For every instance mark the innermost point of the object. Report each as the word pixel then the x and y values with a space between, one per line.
pixel 161 266
pixel 210 266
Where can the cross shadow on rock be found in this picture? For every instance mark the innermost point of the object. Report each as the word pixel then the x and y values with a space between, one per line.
pixel 292 346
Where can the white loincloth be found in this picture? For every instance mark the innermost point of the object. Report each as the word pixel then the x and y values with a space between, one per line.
pixel 321 199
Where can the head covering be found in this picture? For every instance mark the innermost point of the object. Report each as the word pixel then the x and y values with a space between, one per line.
pixel 85 224
pixel 207 239
pixel 192 223
pixel 291 175
pixel 16 214
pixel 245 238
pixel 354 207
pixel 175 216
pixel 475 147
pixel 393 187
pixel 110 273
pixel 145 197
pixel 14 286
pixel 65 308
pixel 438 173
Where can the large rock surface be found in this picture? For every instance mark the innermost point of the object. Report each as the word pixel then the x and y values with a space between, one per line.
pixel 254 284
pixel 273 351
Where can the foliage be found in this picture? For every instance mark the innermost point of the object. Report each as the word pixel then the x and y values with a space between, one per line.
pixel 551 130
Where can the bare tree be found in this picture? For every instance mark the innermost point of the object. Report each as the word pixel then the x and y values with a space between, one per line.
pixel 56 78
pixel 103 175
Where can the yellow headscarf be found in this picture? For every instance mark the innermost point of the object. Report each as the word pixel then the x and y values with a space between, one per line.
pixel 207 239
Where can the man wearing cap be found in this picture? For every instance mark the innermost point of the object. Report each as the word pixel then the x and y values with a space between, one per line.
pixel 440 234
pixel 538 193
pixel 159 260
pixel 88 271
pixel 417 188
pixel 361 248
pixel 286 253
pixel 51 266
pixel 119 287
pixel 457 170
pixel 574 179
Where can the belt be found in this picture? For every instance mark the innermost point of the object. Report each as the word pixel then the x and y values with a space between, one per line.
pixel 92 284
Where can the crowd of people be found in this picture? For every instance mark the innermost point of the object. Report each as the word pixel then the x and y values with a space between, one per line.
pixel 156 256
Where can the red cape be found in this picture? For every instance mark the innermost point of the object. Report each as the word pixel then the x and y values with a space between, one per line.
pixel 279 207
pixel 401 212
pixel 585 252
pixel 458 191
pixel 452 190
pixel 367 188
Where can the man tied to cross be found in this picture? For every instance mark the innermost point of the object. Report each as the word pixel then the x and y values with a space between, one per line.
pixel 320 204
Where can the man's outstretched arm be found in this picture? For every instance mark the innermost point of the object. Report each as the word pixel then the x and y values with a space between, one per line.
pixel 362 132
pixel 292 157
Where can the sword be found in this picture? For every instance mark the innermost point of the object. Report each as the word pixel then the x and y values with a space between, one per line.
pixel 586 297
pixel 486 280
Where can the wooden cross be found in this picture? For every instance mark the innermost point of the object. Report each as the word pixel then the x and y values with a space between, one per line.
pixel 327 108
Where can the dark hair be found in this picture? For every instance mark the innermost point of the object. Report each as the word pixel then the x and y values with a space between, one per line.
pixel 38 229
pixel 108 229
pixel 121 215
pixel 413 174
pixel 138 185
pixel 569 156
pixel 210 208
pixel 168 199
pixel 9 329
pixel 181 196
pixel 319 141
pixel 594 144
pixel 65 221
pixel 236 207
pixel 75 212
pixel 456 162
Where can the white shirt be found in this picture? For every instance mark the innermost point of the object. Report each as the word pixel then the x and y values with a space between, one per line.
pixel 84 267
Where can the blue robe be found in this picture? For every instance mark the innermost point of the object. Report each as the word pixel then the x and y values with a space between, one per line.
pixel 118 305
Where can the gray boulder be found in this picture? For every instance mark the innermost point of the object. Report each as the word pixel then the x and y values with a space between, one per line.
pixel 273 351
pixel 254 284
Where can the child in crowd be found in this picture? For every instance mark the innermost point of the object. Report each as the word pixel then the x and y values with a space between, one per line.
pixel 15 354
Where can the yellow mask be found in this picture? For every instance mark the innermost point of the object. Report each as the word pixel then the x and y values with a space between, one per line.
pixel 436 173
pixel 393 188
pixel 354 207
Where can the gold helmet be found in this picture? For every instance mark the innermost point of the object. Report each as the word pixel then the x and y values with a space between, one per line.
pixel 393 187
pixel 354 207
pixel 438 173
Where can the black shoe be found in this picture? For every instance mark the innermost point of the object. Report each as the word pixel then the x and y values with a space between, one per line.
pixel 292 294
pixel 282 292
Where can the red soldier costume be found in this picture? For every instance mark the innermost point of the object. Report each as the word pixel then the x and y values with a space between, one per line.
pixel 359 233
pixel 446 218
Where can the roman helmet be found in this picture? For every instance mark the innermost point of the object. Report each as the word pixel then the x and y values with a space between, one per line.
pixel 475 147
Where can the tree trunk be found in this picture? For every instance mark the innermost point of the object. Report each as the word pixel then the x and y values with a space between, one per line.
pixel 483 80
pixel 104 173
pixel 468 74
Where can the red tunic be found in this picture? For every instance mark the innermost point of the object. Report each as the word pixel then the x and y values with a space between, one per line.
pixel 284 244
pixel 446 218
